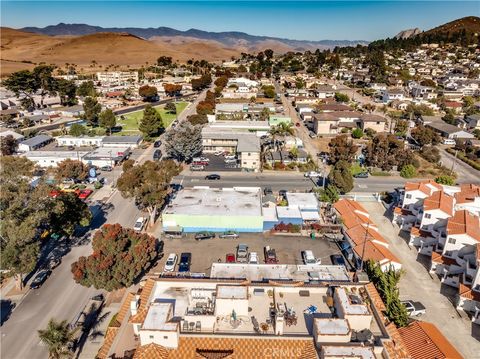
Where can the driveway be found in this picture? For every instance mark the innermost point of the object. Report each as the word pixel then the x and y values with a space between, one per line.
pixel 417 284
pixel 465 173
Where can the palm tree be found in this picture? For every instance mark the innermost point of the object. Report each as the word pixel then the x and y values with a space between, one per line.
pixel 57 337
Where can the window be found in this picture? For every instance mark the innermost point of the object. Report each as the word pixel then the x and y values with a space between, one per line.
pixel 428 215
pixel 452 240
pixel 408 196
pixel 165 337
pixel 150 336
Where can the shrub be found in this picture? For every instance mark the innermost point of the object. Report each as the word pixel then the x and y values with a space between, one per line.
pixel 357 133
pixel 446 180
pixel 380 173
pixel 408 171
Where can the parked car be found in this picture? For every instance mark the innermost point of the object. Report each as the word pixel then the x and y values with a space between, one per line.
pixel 197 168
pixel 361 175
pixel 54 263
pixel 218 153
pixel 267 191
pixel 230 161
pixel 312 174
pixel 40 278
pixel 242 253
pixel 229 234
pixel 230 258
pixel 139 223
pixel 312 135
pixel 185 260
pixel 170 263
pixel 157 154
pixel 337 260
pixel 414 309
pixel 270 255
pixel 253 258
pixel 282 192
pixel 106 168
pixel 212 177
pixel 309 258
pixel 230 157
pixel 200 163
pixel 157 143
pixel 201 159
pixel 200 236
pixel 84 193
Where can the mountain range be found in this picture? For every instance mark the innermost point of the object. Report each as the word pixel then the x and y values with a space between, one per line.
pixel 230 38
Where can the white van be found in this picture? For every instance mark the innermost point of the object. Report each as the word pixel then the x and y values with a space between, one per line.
pixel 449 141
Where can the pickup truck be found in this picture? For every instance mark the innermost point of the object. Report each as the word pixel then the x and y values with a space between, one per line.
pixel 242 253
pixel 414 309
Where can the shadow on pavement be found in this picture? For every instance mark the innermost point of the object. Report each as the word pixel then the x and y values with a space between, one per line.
pixel 6 308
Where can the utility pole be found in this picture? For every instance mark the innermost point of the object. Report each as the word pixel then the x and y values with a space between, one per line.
pixel 364 245
pixel 454 161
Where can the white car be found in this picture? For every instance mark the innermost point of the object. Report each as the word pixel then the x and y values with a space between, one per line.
pixel 414 308
pixel 230 157
pixel 138 226
pixel 170 263
pixel 253 258
pixel 309 258
pixel 312 174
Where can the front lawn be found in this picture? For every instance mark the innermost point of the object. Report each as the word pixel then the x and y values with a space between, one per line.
pixel 131 121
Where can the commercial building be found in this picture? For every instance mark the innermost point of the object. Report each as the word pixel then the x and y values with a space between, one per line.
pixel 53 158
pixel 212 209
pixel 245 144
pixel 79 141
pixel 223 318
pixel 117 76
pixel 34 143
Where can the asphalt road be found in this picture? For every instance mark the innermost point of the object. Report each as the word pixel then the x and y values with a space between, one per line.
pixel 59 297
pixel 288 181
pixel 465 173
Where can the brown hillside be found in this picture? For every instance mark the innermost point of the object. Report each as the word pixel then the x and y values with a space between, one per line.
pixel 22 49
pixel 469 23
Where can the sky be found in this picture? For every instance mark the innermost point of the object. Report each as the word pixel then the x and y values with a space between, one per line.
pixel 300 20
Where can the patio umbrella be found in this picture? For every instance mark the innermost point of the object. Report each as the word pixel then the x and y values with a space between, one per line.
pixel 234 315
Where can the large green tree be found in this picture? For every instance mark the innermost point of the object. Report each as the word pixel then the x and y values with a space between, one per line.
pixel 342 148
pixel 87 89
pixel 107 120
pixel 71 169
pixel 184 142
pixel 151 124
pixel 67 92
pixel 385 152
pixel 148 184
pixel 425 136
pixel 58 338
pixel 341 177
pixel 27 211
pixel 120 255
pixel 8 145
pixel 92 110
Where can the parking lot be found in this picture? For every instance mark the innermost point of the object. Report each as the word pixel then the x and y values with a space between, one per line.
pixel 204 253
pixel 217 164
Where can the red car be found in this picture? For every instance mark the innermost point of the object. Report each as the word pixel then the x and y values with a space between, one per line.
pixel 54 193
pixel 85 193
pixel 230 258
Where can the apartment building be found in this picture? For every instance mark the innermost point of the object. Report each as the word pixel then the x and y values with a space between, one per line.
pixel 117 76
pixel 444 223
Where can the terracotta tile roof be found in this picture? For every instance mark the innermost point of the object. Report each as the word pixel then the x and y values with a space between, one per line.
pixel 467 193
pixel 151 351
pixel 439 200
pixel 375 297
pixel 352 213
pixel 110 335
pixel 465 291
pixel 376 252
pixel 427 187
pixel 395 348
pixel 417 232
pixel 464 222
pixel 439 258
pixel 237 348
pixel 359 233
pixel 424 341
pixel 477 252
pixel 146 292
pixel 139 318
pixel 124 309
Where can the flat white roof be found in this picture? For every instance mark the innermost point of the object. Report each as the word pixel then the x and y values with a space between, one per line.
pixel 56 154
pixel 231 292
pixel 331 326
pixel 259 272
pixel 288 212
pixel 158 316
pixel 348 351
pixel 310 215
pixel 269 214
pixel 205 201
pixel 302 200
pixel 348 306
